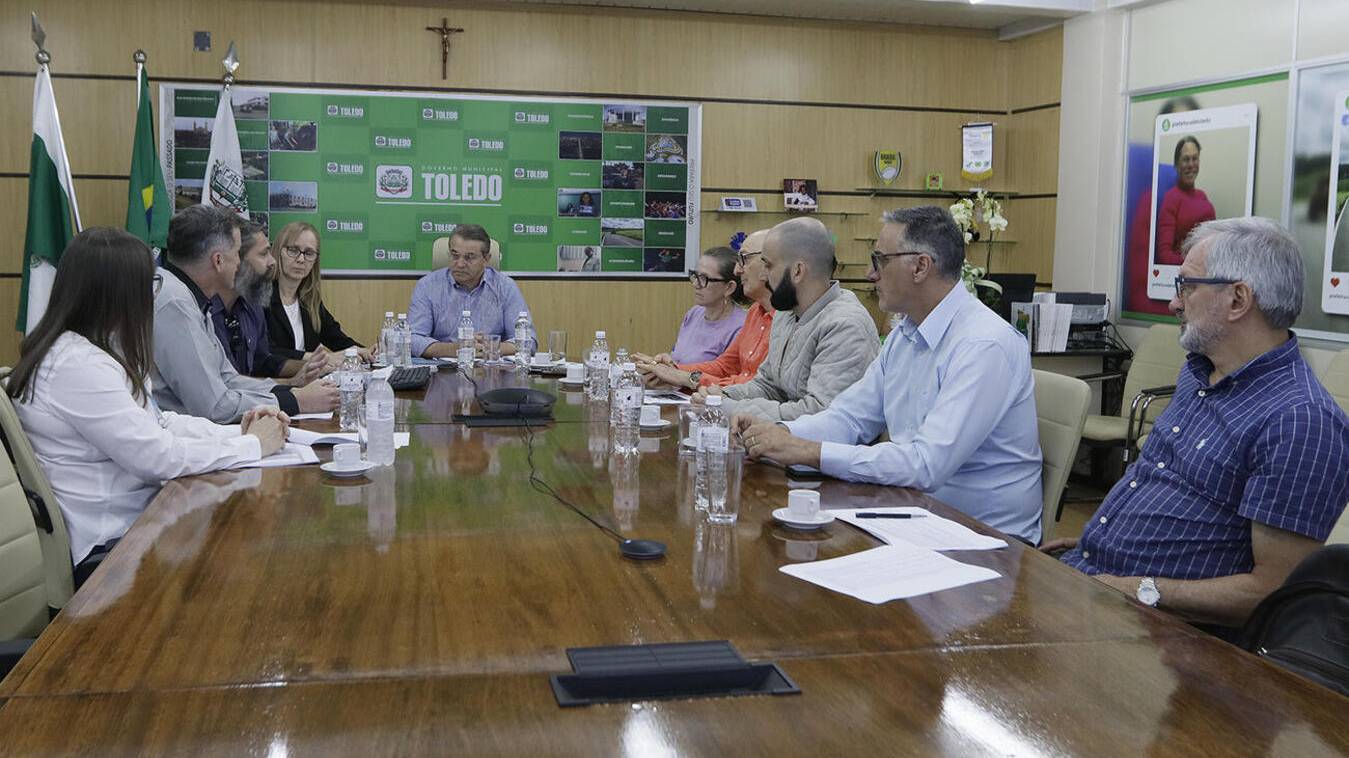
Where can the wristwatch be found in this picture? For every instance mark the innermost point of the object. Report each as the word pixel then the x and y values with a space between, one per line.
pixel 696 378
pixel 1147 592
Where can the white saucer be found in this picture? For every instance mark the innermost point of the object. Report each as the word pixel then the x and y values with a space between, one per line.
pixel 822 518
pixel 333 469
pixel 658 425
pixel 571 382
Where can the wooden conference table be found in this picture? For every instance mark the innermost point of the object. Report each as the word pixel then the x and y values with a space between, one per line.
pixel 421 610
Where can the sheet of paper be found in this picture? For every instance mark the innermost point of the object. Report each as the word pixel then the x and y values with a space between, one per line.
pixel 889 573
pixel 291 455
pixel 928 531
pixel 309 439
pixel 664 397
pixel 328 416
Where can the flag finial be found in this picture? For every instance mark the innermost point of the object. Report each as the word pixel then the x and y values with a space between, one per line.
pixel 40 39
pixel 139 57
pixel 231 63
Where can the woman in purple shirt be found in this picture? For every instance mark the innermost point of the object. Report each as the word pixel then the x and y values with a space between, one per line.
pixel 715 319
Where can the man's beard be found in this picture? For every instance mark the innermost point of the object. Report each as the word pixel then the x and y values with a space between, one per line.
pixel 783 296
pixel 254 287
pixel 1197 339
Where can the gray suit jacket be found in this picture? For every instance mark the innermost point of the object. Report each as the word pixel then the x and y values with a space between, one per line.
pixel 192 373
pixel 810 359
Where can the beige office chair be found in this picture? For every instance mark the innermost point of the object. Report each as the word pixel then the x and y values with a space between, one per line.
pixel 57 568
pixel 23 590
pixel 440 254
pixel 1147 390
pixel 1336 380
pixel 1061 410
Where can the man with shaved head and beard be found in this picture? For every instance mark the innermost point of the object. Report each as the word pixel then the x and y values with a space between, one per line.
pixel 822 338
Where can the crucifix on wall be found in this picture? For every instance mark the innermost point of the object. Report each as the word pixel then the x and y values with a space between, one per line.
pixel 445 30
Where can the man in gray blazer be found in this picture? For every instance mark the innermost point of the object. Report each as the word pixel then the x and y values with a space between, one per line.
pixel 192 372
pixel 822 338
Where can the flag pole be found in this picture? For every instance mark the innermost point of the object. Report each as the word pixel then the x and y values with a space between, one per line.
pixel 43 59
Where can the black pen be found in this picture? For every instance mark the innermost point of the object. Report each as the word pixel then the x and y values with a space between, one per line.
pixel 889 515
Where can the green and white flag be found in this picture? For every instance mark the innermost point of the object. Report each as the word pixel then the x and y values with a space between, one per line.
pixel 223 185
pixel 148 205
pixel 51 206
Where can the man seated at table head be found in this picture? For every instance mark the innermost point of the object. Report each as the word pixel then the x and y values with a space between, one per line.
pixel 952 387
pixel 1244 473
pixel 822 338
pixel 441 297
pixel 239 317
pixel 192 372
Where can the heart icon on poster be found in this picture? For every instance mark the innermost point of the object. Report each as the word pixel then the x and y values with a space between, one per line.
pixel 1335 281
pixel 1156 273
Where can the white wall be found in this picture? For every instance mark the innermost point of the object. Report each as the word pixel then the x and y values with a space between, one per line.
pixel 1107 54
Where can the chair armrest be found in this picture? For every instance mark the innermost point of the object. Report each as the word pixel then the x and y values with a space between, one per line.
pixel 1106 376
pixel 1138 411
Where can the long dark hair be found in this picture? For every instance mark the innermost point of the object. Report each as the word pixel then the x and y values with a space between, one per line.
pixel 726 259
pixel 104 292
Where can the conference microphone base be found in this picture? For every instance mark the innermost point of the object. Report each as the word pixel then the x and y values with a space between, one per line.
pixel 641 550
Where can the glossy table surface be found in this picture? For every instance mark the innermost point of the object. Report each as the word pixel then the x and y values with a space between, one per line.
pixel 421 609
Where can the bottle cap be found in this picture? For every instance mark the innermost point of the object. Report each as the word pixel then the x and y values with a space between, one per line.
pixel 466 313
pixel 402 315
pixel 629 366
pixel 599 335
pixel 714 400
pixel 388 314
pixel 523 313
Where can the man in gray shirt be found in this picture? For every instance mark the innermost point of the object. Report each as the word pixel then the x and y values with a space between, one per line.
pixel 822 338
pixel 192 372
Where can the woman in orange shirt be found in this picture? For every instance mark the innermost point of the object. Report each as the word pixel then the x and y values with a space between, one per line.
pixel 741 359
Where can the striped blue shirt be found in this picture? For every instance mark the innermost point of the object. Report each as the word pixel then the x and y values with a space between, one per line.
pixel 1266 443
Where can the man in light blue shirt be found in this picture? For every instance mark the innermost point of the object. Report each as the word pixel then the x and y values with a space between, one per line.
pixel 441 297
pixel 952 387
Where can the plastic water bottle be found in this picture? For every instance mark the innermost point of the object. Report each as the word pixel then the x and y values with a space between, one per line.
pixel 351 383
pixel 616 367
pixel 628 401
pixel 379 422
pixel 597 371
pixel 404 340
pixel 524 338
pixel 467 342
pixel 388 350
pixel 714 439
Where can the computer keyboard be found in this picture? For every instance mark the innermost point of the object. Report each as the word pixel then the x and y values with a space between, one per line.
pixel 409 377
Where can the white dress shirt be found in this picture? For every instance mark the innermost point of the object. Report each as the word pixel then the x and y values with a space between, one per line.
pixel 107 455
pixel 955 394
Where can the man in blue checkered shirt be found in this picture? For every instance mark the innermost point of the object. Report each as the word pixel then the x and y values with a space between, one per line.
pixel 1247 470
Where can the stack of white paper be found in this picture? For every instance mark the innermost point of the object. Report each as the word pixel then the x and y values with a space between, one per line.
pixel 292 454
pixel 927 530
pixel 1051 322
pixel 664 397
pixel 325 416
pixel 889 573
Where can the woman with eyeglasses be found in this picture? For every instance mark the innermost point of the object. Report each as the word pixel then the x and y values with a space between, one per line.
pixel 738 362
pixel 82 392
pixel 298 324
pixel 714 320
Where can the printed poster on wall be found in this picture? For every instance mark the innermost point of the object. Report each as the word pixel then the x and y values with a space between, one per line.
pixel 1203 169
pixel 976 161
pixel 569 187
pixel 1335 277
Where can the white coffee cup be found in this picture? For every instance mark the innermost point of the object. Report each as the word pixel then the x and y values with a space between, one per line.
pixel 541 359
pixel 347 455
pixel 650 415
pixel 803 504
pixel 576 372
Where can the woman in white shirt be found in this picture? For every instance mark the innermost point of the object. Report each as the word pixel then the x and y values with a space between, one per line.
pixel 82 392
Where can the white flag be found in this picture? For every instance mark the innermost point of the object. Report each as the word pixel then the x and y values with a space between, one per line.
pixel 51 206
pixel 223 185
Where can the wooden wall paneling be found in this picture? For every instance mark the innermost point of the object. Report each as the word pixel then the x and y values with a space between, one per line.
pixel 97 120
pixel 1032 150
pixel 9 336
pixel 102 203
pixel 1031 227
pixel 385 45
pixel 1035 69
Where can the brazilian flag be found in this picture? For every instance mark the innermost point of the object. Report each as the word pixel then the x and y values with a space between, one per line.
pixel 148 205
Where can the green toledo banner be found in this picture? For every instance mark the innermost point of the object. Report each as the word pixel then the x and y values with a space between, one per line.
pixel 567 187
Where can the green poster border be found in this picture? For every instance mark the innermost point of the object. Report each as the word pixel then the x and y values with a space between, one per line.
pixel 1267 78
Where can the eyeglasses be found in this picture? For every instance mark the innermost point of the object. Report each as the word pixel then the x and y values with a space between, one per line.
pixel 296 252
pixel 744 257
pixel 700 280
pixel 878 258
pixel 1186 284
pixel 156 282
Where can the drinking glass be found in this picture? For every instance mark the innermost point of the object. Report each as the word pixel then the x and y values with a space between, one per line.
pixel 725 508
pixel 493 347
pixel 557 345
